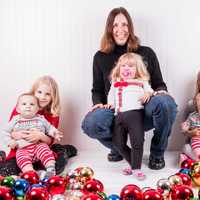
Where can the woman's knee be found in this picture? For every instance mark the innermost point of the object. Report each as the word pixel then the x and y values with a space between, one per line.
pixel 163 105
pixel 97 124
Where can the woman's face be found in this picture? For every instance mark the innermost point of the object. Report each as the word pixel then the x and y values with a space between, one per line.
pixel 120 29
pixel 43 93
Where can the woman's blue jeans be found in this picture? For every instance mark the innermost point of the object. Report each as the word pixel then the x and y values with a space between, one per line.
pixel 160 113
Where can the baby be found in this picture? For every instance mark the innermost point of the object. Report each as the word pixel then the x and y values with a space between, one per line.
pixel 27 151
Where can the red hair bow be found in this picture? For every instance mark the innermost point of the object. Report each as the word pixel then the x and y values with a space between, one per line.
pixel 120 84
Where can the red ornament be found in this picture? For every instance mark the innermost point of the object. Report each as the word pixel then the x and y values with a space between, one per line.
pixel 1 178
pixel 6 193
pixel 152 194
pixel 185 178
pixel 180 192
pixel 31 176
pixel 131 191
pixel 38 193
pixel 91 196
pixel 94 186
pixel 187 163
pixel 56 185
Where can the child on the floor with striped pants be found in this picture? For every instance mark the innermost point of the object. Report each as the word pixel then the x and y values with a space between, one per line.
pixel 27 120
pixel 191 127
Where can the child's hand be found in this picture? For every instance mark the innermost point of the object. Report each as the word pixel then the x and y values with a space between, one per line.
pixel 33 136
pixel 185 126
pixel 58 136
pixel 108 106
pixel 13 144
pixel 17 135
pixel 146 97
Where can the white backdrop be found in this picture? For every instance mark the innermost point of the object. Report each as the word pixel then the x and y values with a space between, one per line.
pixel 60 37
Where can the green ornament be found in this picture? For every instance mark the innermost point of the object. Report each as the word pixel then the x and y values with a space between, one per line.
pixel 102 195
pixel 20 198
pixel 8 181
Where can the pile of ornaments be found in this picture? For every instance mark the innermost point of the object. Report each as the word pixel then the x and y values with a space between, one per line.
pixel 80 184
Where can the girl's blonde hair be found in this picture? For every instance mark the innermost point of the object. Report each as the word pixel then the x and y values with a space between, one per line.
pixel 54 106
pixel 197 92
pixel 131 59
pixel 198 84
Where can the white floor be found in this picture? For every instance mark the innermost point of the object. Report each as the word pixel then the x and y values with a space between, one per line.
pixel 110 174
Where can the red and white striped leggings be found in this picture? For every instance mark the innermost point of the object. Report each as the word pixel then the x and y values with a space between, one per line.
pixel 31 153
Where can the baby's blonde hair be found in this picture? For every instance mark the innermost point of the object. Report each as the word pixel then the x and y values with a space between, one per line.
pixel 131 59
pixel 54 106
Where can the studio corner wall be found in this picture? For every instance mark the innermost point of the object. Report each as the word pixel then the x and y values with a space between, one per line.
pixel 60 37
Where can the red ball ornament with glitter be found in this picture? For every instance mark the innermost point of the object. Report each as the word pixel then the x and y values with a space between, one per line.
pixel 6 193
pixel 180 192
pixel 38 193
pixel 185 178
pixel 31 176
pixel 93 186
pixel 131 191
pixel 187 163
pixel 56 185
pixel 91 197
pixel 152 194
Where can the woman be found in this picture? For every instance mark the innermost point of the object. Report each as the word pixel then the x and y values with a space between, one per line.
pixel 160 111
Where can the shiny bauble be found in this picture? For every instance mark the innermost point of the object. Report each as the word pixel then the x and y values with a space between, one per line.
pixel 87 173
pixel 175 180
pixel 20 187
pixel 8 181
pixel 93 186
pixel 91 196
pixel 31 176
pixel 6 193
pixel 187 164
pixel 58 197
pixel 185 171
pixel 37 193
pixel 113 197
pixel 56 185
pixel 186 179
pixel 131 191
pixel 152 194
pixel 195 173
pixel 102 195
pixel 164 187
pixel 180 192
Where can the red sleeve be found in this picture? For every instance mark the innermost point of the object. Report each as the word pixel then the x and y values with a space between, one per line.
pixel 14 113
pixel 55 121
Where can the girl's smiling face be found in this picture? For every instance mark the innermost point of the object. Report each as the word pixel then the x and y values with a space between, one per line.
pixel 43 93
pixel 127 71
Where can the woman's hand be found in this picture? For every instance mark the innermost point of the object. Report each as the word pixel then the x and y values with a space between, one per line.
pixel 17 135
pixel 99 105
pixel 146 97
pixel 108 106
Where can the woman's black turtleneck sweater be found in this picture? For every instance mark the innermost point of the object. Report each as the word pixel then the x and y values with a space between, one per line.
pixel 103 63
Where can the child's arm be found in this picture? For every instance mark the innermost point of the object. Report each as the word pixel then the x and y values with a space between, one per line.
pixel 35 136
pixel 148 92
pixel 13 144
